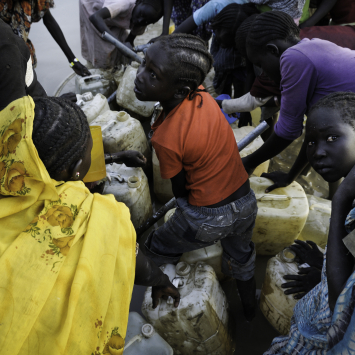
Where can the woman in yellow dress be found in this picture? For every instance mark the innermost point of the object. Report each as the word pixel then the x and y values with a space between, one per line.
pixel 67 257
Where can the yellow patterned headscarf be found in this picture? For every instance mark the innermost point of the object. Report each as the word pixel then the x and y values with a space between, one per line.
pixel 67 257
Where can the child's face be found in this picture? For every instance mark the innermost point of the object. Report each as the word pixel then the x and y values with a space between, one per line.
pixel 330 144
pixel 144 15
pixel 153 80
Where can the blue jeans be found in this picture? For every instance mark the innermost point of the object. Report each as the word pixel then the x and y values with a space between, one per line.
pixel 193 227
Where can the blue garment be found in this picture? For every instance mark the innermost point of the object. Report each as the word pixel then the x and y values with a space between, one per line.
pixel 211 9
pixel 229 118
pixel 314 329
pixel 192 227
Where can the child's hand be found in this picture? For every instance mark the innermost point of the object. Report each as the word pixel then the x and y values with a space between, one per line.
pixel 306 280
pixel 134 159
pixel 308 252
pixel 164 292
pixel 279 178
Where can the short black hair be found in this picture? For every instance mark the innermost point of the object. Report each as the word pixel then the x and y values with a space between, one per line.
pixel 343 102
pixel 270 26
pixel 190 60
pixel 60 133
pixel 232 16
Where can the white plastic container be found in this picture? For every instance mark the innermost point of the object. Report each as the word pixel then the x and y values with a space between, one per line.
pixel 199 325
pixel 281 216
pixel 121 132
pixel 130 186
pixel 99 82
pixel 317 224
pixel 162 187
pixel 240 133
pixel 275 305
pixel 126 97
pixel 141 338
pixel 93 107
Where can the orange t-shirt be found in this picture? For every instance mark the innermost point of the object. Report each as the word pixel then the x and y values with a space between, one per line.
pixel 200 141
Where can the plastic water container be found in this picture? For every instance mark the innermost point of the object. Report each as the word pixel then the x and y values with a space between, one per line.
pixel 317 224
pixel 275 305
pixel 240 133
pixel 126 97
pixel 281 216
pixel 141 338
pixel 93 107
pixel 162 187
pixel 199 325
pixel 130 186
pixel 211 255
pixel 99 82
pixel 121 132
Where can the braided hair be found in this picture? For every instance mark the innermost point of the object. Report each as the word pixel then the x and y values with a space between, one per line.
pixel 242 34
pixel 190 60
pixel 60 133
pixel 343 102
pixel 270 26
pixel 232 16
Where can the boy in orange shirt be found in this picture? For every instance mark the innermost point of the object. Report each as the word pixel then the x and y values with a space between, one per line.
pixel 196 149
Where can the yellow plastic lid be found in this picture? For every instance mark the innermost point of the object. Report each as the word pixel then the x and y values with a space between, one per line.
pixel 97 169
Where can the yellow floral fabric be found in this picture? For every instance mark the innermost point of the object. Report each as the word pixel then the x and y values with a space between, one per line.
pixel 67 257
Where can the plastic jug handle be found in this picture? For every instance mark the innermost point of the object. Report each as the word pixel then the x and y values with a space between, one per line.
pixel 271 197
pixel 108 125
pixel 321 208
pixel 92 77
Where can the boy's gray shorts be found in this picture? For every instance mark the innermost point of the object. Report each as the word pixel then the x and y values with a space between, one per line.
pixel 193 227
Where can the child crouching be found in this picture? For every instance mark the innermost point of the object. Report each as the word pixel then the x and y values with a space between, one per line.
pixel 197 150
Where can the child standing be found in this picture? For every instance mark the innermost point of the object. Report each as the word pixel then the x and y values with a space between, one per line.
pixel 197 151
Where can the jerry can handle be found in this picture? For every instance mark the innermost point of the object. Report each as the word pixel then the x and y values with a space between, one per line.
pixel 94 77
pixel 177 282
pixel 272 197
pixel 320 208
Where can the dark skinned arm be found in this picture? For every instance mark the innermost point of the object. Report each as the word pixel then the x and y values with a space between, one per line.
pixel 273 146
pixel 179 185
pixel 57 34
pixel 322 10
pixel 149 274
pixel 282 179
pixel 168 8
pixel 187 26
pixel 249 81
pixel 130 158
pixel 340 262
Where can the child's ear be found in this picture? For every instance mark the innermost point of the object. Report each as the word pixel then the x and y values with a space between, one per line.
pixel 181 93
pixel 273 49
pixel 75 174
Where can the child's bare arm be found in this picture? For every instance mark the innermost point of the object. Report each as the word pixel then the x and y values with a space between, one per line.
pixel 179 184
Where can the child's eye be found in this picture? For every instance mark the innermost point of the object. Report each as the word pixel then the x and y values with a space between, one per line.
pixel 331 138
pixel 152 75
pixel 310 143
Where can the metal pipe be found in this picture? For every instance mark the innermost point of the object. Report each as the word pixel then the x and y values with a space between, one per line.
pixel 121 47
pixel 261 128
pixel 112 97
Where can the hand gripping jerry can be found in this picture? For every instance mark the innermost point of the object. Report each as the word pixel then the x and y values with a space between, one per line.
pixel 121 132
pixel 141 338
pixel 93 106
pixel 211 255
pixel 274 304
pixel 162 187
pixel 130 186
pixel 282 214
pixel 126 97
pixel 240 133
pixel 199 325
pixel 317 224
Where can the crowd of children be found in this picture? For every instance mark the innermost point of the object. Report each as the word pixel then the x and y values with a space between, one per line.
pixel 69 258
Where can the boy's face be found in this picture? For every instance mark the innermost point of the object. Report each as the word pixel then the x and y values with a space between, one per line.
pixel 153 81
pixel 144 15
pixel 330 144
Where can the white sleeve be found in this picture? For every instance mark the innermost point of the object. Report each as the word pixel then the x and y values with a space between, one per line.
pixel 117 6
pixel 246 103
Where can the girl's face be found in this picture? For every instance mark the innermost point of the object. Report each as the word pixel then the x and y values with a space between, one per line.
pixel 330 144
pixel 153 80
pixel 143 15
